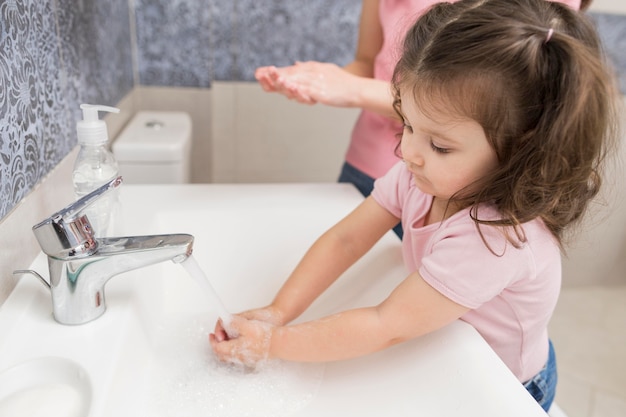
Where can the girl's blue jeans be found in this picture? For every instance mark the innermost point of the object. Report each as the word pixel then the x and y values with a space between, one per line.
pixel 543 385
pixel 364 183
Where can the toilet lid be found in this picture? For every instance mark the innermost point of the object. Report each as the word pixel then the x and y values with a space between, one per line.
pixel 154 136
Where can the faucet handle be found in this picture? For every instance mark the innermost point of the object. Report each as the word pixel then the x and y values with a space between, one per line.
pixel 73 211
pixel 68 232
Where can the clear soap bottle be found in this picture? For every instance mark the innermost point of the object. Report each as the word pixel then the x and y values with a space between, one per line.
pixel 95 166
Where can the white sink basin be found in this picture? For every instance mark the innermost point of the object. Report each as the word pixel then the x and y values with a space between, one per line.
pixel 148 355
pixel 47 386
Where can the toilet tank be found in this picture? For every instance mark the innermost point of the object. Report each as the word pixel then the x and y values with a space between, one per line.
pixel 155 148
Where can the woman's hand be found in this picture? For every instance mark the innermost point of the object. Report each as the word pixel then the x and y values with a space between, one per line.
pixel 311 82
pixel 248 344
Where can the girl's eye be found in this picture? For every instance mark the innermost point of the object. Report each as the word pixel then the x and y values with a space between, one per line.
pixel 408 127
pixel 438 149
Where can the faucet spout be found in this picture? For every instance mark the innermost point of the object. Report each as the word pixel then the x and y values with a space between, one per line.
pixel 80 264
pixel 77 283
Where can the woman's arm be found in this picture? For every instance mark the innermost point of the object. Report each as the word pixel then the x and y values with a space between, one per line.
pixel 326 83
pixel 370 41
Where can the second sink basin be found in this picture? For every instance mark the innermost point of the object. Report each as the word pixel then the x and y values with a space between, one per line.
pixel 47 386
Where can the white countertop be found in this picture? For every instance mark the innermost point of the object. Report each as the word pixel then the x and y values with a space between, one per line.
pixel 248 238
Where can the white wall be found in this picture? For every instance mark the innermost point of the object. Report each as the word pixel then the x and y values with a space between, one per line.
pixel 261 137
pixel 608 6
pixel 598 253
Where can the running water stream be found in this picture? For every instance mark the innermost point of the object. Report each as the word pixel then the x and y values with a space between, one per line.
pixel 194 270
pixel 190 382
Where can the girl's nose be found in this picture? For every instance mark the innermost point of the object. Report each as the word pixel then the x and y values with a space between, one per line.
pixel 414 157
pixel 412 152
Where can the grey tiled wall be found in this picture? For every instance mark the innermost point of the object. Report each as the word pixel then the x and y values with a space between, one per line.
pixel 56 54
pixel 190 43
pixel 612 29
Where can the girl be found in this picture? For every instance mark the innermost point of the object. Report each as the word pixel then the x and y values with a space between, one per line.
pixel 508 111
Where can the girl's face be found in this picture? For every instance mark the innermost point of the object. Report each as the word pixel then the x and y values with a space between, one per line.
pixel 444 153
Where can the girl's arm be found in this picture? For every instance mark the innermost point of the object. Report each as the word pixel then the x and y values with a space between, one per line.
pixel 331 255
pixel 413 309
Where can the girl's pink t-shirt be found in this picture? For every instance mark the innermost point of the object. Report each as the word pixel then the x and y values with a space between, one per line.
pixel 511 293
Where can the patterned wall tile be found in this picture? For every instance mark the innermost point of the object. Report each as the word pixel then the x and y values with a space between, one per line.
pixel 276 32
pixel 95 46
pixel 54 54
pixel 612 30
pixel 189 43
pixel 29 98
pixel 221 38
pixel 173 42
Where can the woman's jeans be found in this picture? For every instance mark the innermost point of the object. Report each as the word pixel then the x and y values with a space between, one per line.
pixel 543 385
pixel 364 183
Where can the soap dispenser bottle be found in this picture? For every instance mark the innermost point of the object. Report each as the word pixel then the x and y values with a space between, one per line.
pixel 96 166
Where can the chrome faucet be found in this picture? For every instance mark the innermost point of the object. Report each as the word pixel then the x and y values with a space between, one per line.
pixel 81 264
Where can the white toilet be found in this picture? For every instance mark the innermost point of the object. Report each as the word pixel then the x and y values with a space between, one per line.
pixel 155 148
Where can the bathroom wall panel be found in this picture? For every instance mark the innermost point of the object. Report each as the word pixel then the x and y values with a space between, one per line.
pixel 276 32
pixel 190 43
pixel 608 6
pixel 54 54
pixel 95 48
pixel 173 42
pixel 222 27
pixel 30 98
pixel 612 30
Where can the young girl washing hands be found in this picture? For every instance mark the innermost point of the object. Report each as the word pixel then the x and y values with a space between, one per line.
pixel 508 113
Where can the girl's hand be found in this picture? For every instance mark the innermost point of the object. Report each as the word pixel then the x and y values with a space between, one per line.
pixel 249 344
pixel 269 314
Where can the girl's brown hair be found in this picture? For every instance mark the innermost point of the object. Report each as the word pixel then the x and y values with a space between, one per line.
pixel 532 74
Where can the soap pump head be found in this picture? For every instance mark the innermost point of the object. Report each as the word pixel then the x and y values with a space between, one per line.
pixel 91 130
